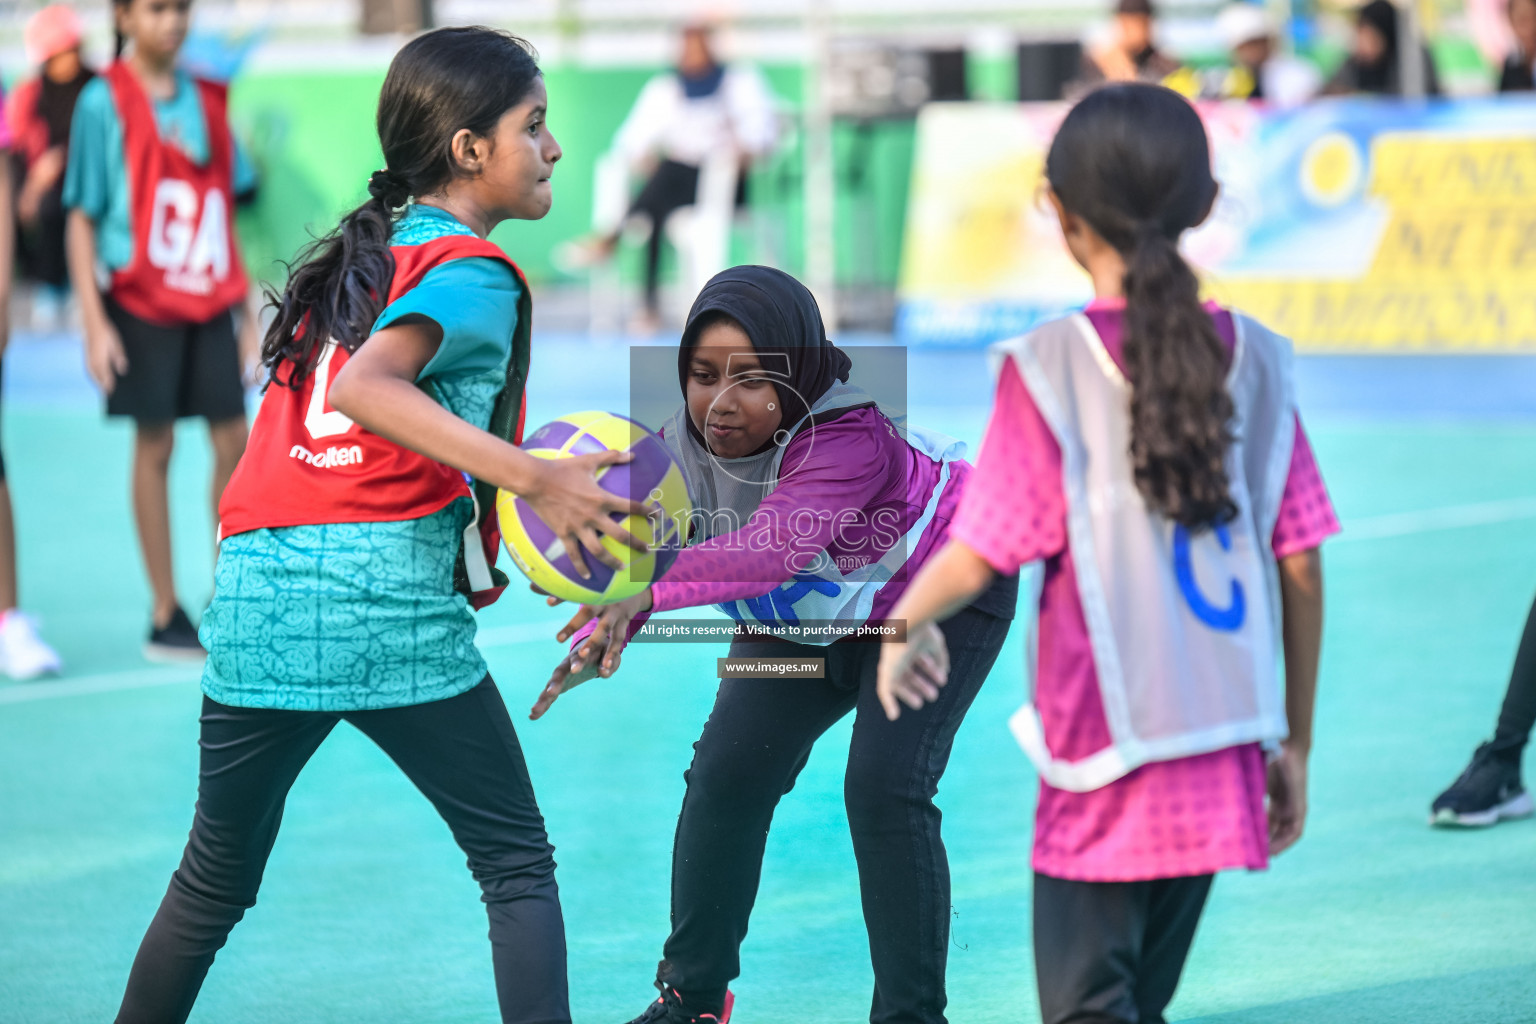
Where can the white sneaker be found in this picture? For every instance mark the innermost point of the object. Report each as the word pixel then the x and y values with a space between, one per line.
pixel 23 655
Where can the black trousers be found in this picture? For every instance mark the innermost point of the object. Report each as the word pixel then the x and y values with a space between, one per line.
pixel 464 757
pixel 40 246
pixel 1518 714
pixel 1112 952
pixel 757 739
pixel 673 186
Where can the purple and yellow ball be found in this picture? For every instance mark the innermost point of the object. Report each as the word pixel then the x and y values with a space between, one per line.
pixel 652 478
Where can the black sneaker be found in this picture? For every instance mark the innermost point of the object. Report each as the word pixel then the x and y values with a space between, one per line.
pixel 175 641
pixel 669 1010
pixel 1488 792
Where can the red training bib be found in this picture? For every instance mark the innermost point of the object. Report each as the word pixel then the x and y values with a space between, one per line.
pixel 185 266
pixel 306 463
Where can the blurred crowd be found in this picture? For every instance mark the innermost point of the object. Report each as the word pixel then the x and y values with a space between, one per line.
pixel 1261 68
pixel 1380 61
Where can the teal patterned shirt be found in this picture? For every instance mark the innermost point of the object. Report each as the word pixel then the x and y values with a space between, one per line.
pixel 359 616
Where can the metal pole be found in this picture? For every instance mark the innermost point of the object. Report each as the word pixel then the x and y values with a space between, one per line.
pixel 1410 51
pixel 820 175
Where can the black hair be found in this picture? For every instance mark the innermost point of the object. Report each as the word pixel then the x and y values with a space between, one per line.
pixel 1382 16
pixel 438 84
pixel 119 41
pixel 1132 160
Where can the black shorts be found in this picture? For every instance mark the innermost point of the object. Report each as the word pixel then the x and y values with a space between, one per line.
pixel 186 370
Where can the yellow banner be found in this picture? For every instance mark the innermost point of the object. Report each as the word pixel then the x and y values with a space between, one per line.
pixel 1349 226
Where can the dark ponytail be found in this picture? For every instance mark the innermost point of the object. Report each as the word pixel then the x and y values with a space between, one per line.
pixel 438 84
pixel 119 41
pixel 1133 162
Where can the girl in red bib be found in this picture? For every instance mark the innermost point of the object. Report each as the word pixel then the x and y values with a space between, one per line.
pixel 151 185
pixel 356 532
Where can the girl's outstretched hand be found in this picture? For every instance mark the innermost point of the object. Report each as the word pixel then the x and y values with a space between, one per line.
pixel 571 671
pixel 572 504
pixel 611 632
pixel 1287 798
pixel 608 638
pixel 912 673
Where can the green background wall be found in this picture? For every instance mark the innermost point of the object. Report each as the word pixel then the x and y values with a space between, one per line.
pixel 311 133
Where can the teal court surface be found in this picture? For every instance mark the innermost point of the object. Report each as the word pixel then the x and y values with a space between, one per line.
pixel 368 914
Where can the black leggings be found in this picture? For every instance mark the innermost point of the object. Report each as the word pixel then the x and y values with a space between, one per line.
pixel 672 187
pixel 464 757
pixel 1518 714
pixel 1112 952
pixel 757 739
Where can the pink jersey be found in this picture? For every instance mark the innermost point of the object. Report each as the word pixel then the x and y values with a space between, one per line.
pixel 1189 816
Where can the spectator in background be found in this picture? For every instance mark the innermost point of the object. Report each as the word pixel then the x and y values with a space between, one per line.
pixel 1374 65
pixel 1130 54
pixel 23 655
pixel 154 259
pixel 1260 72
pixel 681 118
pixel 39 112
pixel 1519 73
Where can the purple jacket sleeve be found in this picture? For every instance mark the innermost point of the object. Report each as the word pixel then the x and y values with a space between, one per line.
pixel 839 470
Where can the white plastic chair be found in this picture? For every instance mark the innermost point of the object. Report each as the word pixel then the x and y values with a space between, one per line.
pixel 701 233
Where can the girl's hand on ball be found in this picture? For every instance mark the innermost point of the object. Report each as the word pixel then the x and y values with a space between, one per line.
pixel 912 673
pixel 579 511
pixel 571 671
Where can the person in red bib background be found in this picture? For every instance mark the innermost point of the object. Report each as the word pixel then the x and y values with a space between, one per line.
pixel 359 527
pixel 151 185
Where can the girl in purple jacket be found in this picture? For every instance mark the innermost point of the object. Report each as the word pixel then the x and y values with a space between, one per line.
pixel 813 509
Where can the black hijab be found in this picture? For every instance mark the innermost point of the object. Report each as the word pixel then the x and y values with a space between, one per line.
pixel 780 316
pixel 1380 77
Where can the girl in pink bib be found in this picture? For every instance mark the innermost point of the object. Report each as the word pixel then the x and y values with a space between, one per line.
pixel 1147 453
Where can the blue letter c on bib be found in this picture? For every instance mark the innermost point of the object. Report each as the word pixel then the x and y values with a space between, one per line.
pixel 1228 619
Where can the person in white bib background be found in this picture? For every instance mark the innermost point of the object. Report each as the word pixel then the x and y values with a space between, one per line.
pixel 1147 453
